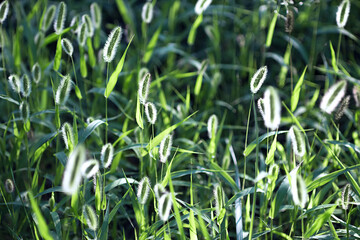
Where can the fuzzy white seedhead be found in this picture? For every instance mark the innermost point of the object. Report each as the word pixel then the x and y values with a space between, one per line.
pixel 144 87
pixel 143 190
pixel 261 106
pixel 63 91
pixel 67 46
pixel 48 18
pixel 212 126
pixel 345 196
pixel 75 23
pixel 25 85
pixel 258 79
pixel 297 141
pixel 298 190
pixel 60 18
pixel 342 13
pixel 90 168
pixel 89 24
pixel 112 44
pixel 356 95
pixel 165 148
pixel 24 111
pixel 219 197
pixel 95 12
pixel 36 73
pixel 68 136
pixel 164 206
pixel 4 10
pixel 72 174
pixel 159 190
pixel 272 108
pixel 150 112
pixel 90 217
pixel 15 83
pixel 82 34
pixel 333 97
pixel 9 186
pixel 147 12
pixel 201 6
pixel 107 154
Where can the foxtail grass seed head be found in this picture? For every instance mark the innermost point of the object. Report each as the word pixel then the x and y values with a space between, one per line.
pixel 68 136
pixel 345 196
pixel 48 18
pixel 60 18
pixel 74 23
pixel 342 108
pixel 36 73
pixel 201 6
pixel 72 173
pixel 4 10
pixel 151 112
pixel 97 180
pixel 107 154
pixel 142 73
pixel 298 141
pixel 15 83
pixel 298 190
pixel 144 87
pixel 258 79
pixel 9 186
pixel 289 22
pixel 63 91
pixel 89 24
pixel 159 190
pixel 165 148
pixel 95 13
pixel 90 217
pixel 219 198
pixel 112 44
pixel 24 111
pixel 164 206
pixel 272 108
pixel 333 97
pixel 67 46
pixel 25 85
pixel 147 12
pixel 342 13
pixel 52 201
pixel 212 125
pixel 90 168
pixel 143 190
pixel 261 106
pixel 82 34
pixel 39 38
pixel 356 95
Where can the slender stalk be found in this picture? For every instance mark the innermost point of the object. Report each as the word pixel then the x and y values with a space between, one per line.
pixel 106 105
pixel 246 137
pixel 338 48
pixel 76 81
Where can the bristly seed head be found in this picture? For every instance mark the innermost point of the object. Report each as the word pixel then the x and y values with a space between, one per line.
pixel 289 23
pixel 111 44
pixel 107 154
pixel 25 85
pixel 298 141
pixel 90 217
pixel 212 126
pixel 95 14
pixel 143 190
pixel 4 10
pixel 258 79
pixel 9 186
pixel 90 168
pixel 147 12
pixel 144 87
pixel 63 91
pixel 342 13
pixel 342 108
pixel 298 190
pixel 15 83
pixel 150 112
pixel 201 6
pixel 24 111
pixel 356 95
pixel 48 18
pixel 333 97
pixel 68 136
pixel 67 46
pixel 164 206
pixel 272 108
pixel 219 197
pixel 159 190
pixel 345 196
pixel 261 106
pixel 36 73
pixel 82 34
pixel 165 148
pixel 89 24
pixel 60 18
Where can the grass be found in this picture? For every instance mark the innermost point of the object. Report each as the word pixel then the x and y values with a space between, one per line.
pixel 200 67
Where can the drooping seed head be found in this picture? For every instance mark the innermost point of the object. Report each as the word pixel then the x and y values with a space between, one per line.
pixel 165 148
pixel 48 18
pixel 201 6
pixel 89 25
pixel 60 18
pixel 342 13
pixel 151 112
pixel 95 14
pixel 342 108
pixel 63 91
pixel 36 73
pixel 24 111
pixel 272 108
pixel 15 83
pixel 333 97
pixel 147 12
pixel 261 106
pixel 159 190
pixel 90 168
pixel 4 10
pixel 111 44
pixel 72 173
pixel 219 197
pixel 144 87
pixel 90 217
pixel 164 206
pixel 345 196
pixel 68 136
pixel 82 34
pixel 298 190
pixel 9 186
pixel 143 190
pixel 212 126
pixel 258 79
pixel 297 141
pixel 107 154
pixel 67 46
pixel 25 85
pixel 289 23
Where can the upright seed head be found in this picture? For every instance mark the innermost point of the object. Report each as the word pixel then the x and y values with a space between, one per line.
pixel 63 91
pixel 111 44
pixel 147 12
pixel 164 206
pixel 333 97
pixel 107 154
pixel 36 73
pixel 68 136
pixel 151 113
pixel 25 85
pixel 95 14
pixel 90 217
pixel 60 18
pixel 9 186
pixel 289 23
pixel 219 198
pixel 48 18
pixel 212 125
pixel 144 86
pixel 4 9
pixel 298 190
pixel 82 34
pixel 342 108
pixel 24 111
pixel 89 25
pixel 258 79
pixel 67 46
pixel 261 106
pixel 159 190
pixel 72 173
pixel 342 13
pixel 90 168
pixel 298 141
pixel 345 196
pixel 272 108
pixel 143 190
pixel 75 23
pixel 201 6
pixel 165 148
pixel 15 83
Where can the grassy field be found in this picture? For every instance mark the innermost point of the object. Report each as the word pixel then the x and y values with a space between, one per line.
pixel 221 119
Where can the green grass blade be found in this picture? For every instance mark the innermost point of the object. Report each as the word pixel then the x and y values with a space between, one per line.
pixel 192 33
pixel 151 45
pixel 85 133
pixel 333 58
pixel 138 116
pixel 319 222
pixel 271 29
pixel 58 52
pixel 270 156
pixel 296 94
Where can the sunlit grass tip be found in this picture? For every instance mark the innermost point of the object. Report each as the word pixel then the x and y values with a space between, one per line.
pixel 67 46
pixel 95 13
pixel 144 88
pixel 25 85
pixel 89 24
pixel 150 112
pixel 107 154
pixel 112 44
pixel 60 18
pixel 333 97
pixel 258 79
pixel 15 83
pixel 212 125
pixel 272 108
pixel 342 13
pixel 90 168
pixel 201 6
pixel 90 217
pixel 63 91
pixel 165 148
pixel 298 190
pixel 4 10
pixel 298 141
pixel 147 12
pixel 48 18
pixel 164 206
pixel 143 190
pixel 36 73
pixel 68 136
